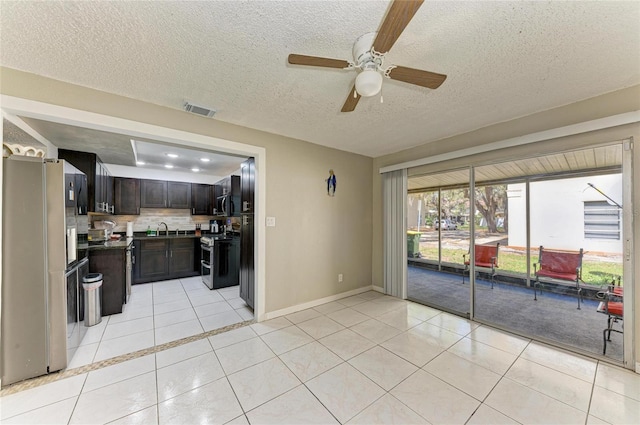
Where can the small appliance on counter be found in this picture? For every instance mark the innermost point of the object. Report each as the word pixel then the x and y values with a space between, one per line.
pixel 101 232
pixel 216 227
pixel 98 235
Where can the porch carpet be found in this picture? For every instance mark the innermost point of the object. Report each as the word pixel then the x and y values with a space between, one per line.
pixel 554 317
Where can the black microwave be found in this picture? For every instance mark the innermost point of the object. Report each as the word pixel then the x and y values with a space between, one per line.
pixel 225 205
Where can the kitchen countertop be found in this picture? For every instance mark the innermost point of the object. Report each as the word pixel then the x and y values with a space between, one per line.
pixel 121 244
pixel 173 235
pixel 170 236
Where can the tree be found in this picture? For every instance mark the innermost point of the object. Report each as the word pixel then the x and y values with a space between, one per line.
pixel 489 201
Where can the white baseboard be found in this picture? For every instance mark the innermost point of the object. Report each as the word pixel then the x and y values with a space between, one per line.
pixel 314 303
pixel 378 289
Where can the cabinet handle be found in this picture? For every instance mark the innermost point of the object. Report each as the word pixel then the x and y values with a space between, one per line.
pixel 171 253
pixel 193 210
pixel 166 254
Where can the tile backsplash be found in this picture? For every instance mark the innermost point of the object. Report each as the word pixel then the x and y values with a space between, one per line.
pixel 180 219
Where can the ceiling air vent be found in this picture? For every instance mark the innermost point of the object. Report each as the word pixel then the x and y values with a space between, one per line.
pixel 199 110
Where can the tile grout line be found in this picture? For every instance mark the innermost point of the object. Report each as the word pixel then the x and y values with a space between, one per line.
pixel 36 382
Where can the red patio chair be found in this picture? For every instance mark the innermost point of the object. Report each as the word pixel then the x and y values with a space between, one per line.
pixel 485 256
pixel 559 265
pixel 612 306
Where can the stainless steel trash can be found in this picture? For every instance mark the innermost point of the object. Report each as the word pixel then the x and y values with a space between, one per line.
pixel 91 284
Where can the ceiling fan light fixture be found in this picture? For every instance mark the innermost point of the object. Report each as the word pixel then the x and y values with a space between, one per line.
pixel 368 83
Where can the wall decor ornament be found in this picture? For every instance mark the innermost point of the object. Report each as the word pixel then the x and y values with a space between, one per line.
pixel 9 149
pixel 331 184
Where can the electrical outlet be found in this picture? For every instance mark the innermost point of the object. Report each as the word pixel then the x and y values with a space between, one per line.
pixel 340 277
pixel 271 222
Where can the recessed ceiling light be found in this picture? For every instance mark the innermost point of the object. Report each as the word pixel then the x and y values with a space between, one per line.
pixel 205 159
pixel 171 155
pixel 140 162
pixel 168 166
pixel 195 169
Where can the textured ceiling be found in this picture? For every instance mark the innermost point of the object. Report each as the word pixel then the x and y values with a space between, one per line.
pixel 12 134
pixel 503 60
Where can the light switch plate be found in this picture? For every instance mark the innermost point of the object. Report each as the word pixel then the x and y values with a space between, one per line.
pixel 271 222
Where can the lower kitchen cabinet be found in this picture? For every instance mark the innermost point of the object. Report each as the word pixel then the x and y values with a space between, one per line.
pixel 151 260
pixel 162 259
pixel 247 275
pixel 112 264
pixel 182 258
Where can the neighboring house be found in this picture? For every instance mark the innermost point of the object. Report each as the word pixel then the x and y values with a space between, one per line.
pixel 568 214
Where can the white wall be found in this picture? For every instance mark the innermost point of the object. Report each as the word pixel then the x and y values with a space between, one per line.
pixel 557 213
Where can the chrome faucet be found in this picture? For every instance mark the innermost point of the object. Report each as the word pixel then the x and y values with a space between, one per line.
pixel 166 228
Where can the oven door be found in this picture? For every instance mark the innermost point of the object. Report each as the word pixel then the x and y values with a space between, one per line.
pixel 206 265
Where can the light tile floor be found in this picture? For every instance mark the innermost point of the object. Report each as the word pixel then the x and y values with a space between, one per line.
pixel 365 359
pixel 160 312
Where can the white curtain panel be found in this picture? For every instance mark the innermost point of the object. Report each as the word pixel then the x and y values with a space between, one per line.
pixel 394 197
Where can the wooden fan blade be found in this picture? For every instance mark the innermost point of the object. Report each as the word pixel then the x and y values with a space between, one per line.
pixel 418 77
pixel 351 102
pixel 398 17
pixel 317 61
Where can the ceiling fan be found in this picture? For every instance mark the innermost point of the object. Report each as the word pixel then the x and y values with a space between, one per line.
pixel 368 55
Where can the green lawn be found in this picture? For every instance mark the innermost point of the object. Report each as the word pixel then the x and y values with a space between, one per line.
pixel 598 273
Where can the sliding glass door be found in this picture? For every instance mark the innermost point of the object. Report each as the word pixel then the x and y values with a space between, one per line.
pixel 438 240
pixel 538 242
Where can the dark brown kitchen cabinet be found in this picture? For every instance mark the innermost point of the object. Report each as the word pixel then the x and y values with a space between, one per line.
pixel 247 262
pixel 165 194
pixel 151 261
pixel 201 199
pixel 126 197
pixel 247 272
pixel 247 186
pixel 111 263
pixel 82 191
pixel 161 259
pixel 153 194
pixel 178 195
pixel 181 257
pixel 99 181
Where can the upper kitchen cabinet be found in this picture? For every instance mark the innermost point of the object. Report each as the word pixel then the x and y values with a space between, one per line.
pixel 99 180
pixel 82 191
pixel 126 196
pixel 201 199
pixel 179 195
pixel 247 183
pixel 153 194
pixel 164 194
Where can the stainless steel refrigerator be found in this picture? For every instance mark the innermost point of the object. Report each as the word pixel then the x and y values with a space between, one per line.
pixel 40 251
